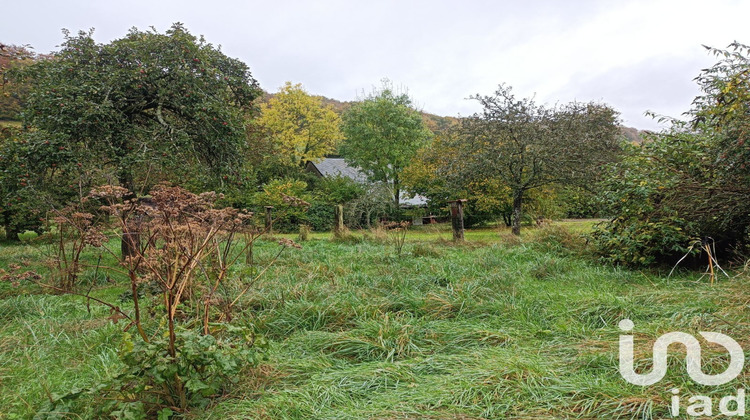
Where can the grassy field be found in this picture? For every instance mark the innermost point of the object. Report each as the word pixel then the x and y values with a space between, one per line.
pixel 5 123
pixel 493 328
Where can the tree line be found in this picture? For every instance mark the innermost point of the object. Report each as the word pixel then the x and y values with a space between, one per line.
pixel 153 107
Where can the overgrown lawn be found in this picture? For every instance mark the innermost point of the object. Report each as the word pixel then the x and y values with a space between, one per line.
pixel 493 328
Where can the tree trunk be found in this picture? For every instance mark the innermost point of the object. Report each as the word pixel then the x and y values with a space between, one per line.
pixel 131 237
pixel 517 202
pixel 508 219
pixel 11 234
pixel 396 192
pixel 368 214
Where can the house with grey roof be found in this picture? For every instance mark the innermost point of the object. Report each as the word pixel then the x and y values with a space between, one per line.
pixel 332 167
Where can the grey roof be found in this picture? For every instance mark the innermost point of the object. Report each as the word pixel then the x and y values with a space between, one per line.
pixel 416 201
pixel 338 167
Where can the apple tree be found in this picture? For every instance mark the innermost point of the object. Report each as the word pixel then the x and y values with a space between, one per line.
pixel 146 104
pixel 529 146
pixel 141 109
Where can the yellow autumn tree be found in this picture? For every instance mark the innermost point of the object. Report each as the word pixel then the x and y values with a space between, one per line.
pixel 302 129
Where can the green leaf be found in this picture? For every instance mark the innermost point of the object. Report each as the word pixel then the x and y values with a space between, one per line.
pixel 165 414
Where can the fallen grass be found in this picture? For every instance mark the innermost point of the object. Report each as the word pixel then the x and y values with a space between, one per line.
pixel 486 329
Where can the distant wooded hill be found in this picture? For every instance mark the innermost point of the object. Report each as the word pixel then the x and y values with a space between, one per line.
pixel 437 123
pixel 633 135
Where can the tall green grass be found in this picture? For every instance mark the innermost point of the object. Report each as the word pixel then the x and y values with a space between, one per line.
pixel 486 329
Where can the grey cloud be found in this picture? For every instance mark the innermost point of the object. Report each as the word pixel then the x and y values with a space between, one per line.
pixel 663 85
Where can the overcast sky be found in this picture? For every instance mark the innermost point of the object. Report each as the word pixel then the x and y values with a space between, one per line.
pixel 633 55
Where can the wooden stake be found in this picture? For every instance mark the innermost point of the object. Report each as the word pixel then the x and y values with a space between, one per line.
pixel 269 220
pixel 457 219
pixel 338 226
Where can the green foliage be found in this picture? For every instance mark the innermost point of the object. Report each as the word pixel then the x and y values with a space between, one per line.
pixel 580 203
pixel 26 193
pixel 724 107
pixel 499 158
pixel 148 106
pixel 321 216
pixel 144 108
pixel 689 182
pixel 13 95
pixel 338 189
pixel 316 208
pixel 528 146
pixel 290 200
pixel 640 190
pixel 436 173
pixel 383 133
pixel 207 366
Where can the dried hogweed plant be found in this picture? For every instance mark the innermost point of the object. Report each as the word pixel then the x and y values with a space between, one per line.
pixel 185 247
pixel 181 253
pixel 75 228
pixel 397 232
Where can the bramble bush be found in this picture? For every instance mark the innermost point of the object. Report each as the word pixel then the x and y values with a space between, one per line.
pixel 640 191
pixel 690 182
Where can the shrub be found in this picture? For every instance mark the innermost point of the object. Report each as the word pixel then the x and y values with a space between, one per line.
pixel 304 232
pixel 154 383
pixel 289 200
pixel 643 191
pixel 320 216
pixel 580 203
pixel 689 182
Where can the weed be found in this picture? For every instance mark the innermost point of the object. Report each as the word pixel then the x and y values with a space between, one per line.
pixel 304 233
pixel 345 236
pixel 425 251
pixel 397 235
pixel 378 234
pixel 180 255
pixel 555 238
pixel 509 239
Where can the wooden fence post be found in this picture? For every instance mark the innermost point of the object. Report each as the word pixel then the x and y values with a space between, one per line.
pixel 338 226
pixel 457 219
pixel 269 220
